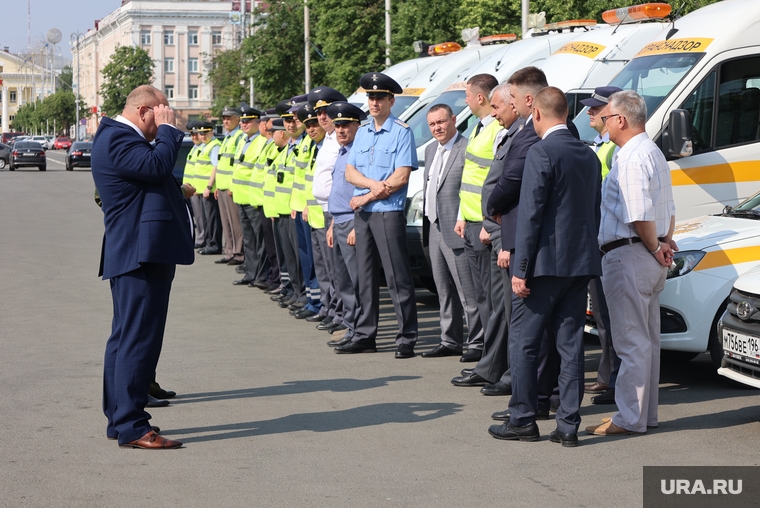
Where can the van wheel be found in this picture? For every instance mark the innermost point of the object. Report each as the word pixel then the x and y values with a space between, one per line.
pixel 715 343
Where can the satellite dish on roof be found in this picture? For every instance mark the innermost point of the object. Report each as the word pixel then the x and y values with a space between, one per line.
pixel 54 36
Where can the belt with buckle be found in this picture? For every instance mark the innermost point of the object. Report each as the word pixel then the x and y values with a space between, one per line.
pixel 607 247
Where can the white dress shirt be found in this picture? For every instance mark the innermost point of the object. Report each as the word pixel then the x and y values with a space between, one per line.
pixel 433 179
pixel 323 168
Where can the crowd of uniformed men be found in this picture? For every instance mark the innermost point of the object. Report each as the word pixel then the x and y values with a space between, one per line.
pixel 309 204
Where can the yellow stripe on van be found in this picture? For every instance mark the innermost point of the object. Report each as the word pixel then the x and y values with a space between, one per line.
pixel 587 49
pixel 718 258
pixel 691 45
pixel 744 171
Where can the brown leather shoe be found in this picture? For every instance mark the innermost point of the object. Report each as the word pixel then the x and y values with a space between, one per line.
pixel 607 429
pixel 595 387
pixel 152 441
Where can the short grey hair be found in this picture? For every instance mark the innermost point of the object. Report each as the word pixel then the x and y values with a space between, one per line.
pixel 502 91
pixel 631 105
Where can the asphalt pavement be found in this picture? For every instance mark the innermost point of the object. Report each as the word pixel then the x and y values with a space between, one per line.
pixel 269 415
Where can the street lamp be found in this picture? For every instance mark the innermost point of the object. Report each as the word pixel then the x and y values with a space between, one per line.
pixel 74 40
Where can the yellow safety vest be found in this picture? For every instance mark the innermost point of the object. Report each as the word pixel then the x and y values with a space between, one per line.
pixel 605 152
pixel 259 174
pixel 203 166
pixel 227 152
pixel 270 182
pixel 243 169
pixel 316 215
pixel 284 187
pixel 477 162
pixel 305 153
pixel 188 175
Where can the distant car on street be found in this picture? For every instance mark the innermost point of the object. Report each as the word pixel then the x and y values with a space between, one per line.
pixel 43 140
pixel 27 153
pixel 8 136
pixel 79 155
pixel 62 143
pixel 5 155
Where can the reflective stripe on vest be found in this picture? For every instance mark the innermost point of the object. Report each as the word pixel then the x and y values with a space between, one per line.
pixel 204 167
pixel 259 173
pixel 301 163
pixel 477 162
pixel 227 159
pixel 243 170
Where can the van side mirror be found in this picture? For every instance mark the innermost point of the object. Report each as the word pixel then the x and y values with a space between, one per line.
pixel 679 134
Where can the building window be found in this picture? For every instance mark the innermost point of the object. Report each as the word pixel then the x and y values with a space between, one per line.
pixel 169 38
pixel 192 38
pixel 169 91
pixel 145 37
pixel 192 92
pixel 216 38
pixel 12 96
pixel 168 64
pixel 192 65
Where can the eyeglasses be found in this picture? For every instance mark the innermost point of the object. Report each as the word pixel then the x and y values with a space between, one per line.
pixel 604 118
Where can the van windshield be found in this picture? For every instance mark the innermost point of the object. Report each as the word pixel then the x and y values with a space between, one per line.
pixel 402 103
pixel 654 76
pixel 418 122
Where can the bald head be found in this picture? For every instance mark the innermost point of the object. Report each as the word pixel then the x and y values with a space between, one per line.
pixel 549 109
pixel 145 95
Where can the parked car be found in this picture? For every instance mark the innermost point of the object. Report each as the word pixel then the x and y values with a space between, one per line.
pixel 62 143
pixel 79 155
pixel 27 153
pixel 739 331
pixel 42 140
pixel 5 155
pixel 8 136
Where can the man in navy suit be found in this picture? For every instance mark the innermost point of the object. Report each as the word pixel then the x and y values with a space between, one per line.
pixel 555 256
pixel 148 230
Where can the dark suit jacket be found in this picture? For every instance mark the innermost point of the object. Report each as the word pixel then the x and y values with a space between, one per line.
pixel 506 194
pixel 447 197
pixel 145 215
pixel 559 216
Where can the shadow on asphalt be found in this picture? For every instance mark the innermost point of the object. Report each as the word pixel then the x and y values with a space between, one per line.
pixel 327 421
pixel 292 388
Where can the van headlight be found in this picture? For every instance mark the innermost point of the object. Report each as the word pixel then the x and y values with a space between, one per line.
pixel 414 214
pixel 684 262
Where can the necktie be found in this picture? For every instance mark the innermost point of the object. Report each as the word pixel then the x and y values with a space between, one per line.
pixel 478 127
pixel 432 190
pixel 342 150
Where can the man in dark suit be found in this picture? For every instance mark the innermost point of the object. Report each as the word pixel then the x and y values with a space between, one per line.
pixel 148 230
pixel 451 269
pixel 555 256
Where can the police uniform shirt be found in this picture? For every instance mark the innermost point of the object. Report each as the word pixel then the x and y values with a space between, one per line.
pixel 342 191
pixel 323 168
pixel 377 153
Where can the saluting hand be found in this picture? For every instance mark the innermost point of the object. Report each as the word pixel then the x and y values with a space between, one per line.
pixel 164 115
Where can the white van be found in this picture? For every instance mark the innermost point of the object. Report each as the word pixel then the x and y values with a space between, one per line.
pixel 701 81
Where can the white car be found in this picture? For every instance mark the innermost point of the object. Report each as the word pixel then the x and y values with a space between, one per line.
pixel 43 140
pixel 739 330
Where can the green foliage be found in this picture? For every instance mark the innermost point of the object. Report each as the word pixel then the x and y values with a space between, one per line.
pixel 351 35
pixel 66 78
pixel 274 53
pixel 225 76
pixel 129 67
pixel 432 22
pixel 57 110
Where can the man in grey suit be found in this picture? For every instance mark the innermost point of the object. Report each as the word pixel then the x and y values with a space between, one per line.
pixel 555 256
pixel 451 270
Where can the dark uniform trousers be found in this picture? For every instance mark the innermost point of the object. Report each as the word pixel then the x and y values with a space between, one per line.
pixel 381 237
pixel 267 226
pixel 479 257
pixel 196 201
pixel 346 275
pixel 305 255
pixel 253 243
pixel 324 268
pixel 289 239
pixel 213 223
pixel 287 285
pixel 609 363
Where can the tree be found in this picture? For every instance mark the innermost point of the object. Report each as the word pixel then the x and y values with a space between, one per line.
pixel 66 78
pixel 129 67
pixel 225 76
pixel 55 111
pixel 351 40
pixel 432 22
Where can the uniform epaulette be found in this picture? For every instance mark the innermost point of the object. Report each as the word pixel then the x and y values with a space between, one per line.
pixel 402 124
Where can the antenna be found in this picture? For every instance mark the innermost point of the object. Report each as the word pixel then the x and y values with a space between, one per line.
pixel 673 28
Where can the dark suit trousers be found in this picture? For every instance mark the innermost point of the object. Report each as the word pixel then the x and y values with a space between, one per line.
pixel 346 274
pixel 494 364
pixel 267 226
pixel 253 243
pixel 289 241
pixel 479 256
pixel 140 304
pixel 281 261
pixel 305 254
pixel 213 223
pixel 381 238
pixel 324 269
pixel 556 305
pixel 609 363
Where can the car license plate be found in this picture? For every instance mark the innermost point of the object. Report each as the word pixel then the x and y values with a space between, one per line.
pixel 741 344
pixel 27 154
pixel 85 155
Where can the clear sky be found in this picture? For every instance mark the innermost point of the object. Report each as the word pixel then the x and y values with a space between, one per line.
pixel 68 16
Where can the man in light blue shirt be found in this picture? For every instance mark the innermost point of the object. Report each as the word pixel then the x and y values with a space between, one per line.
pixel 379 165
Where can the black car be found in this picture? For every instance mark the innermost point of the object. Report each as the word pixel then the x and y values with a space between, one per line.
pixel 5 155
pixel 79 155
pixel 27 153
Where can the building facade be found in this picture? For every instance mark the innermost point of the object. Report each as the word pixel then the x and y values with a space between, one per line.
pixel 181 36
pixel 22 80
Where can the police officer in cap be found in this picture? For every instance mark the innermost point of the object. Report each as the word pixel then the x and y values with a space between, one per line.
pixel 379 165
pixel 206 161
pixel 228 210
pixel 189 177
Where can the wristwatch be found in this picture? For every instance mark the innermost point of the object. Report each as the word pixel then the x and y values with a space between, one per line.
pixel 209 187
